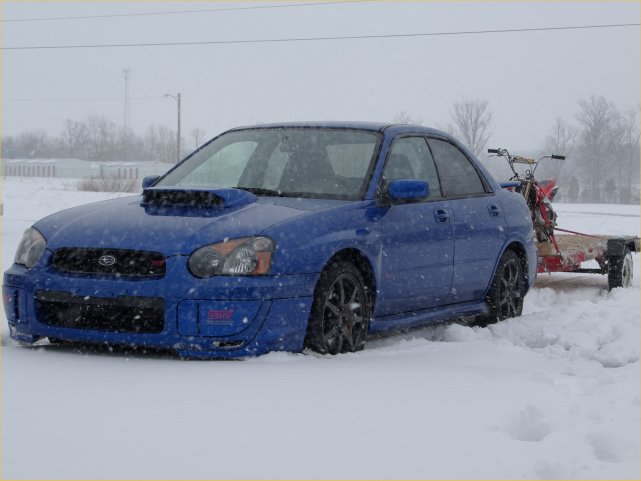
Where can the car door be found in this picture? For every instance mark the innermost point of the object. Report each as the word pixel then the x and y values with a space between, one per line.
pixel 480 228
pixel 417 237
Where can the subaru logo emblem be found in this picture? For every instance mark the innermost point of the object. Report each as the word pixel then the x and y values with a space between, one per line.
pixel 107 261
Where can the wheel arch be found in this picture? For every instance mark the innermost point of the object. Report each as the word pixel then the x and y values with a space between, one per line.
pixel 348 259
pixel 362 263
pixel 519 249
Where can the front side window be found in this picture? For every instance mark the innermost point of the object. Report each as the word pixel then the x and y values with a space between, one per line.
pixel 458 175
pixel 312 162
pixel 409 158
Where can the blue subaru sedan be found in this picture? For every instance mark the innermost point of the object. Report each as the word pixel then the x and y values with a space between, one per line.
pixel 281 237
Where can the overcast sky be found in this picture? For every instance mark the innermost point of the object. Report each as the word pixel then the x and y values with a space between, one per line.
pixel 528 78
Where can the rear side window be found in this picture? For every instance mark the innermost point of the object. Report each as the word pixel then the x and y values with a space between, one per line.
pixel 458 175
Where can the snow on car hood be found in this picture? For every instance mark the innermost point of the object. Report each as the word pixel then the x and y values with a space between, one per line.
pixel 126 224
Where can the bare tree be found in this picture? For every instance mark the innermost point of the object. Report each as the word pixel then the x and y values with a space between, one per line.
pixel 560 140
pixel 197 135
pixel 102 136
pixel 471 122
pixel 160 143
pixel 98 139
pixel 75 138
pixel 631 154
pixel 561 137
pixel 600 146
pixel 630 126
pixel 28 145
pixel 129 147
pixel 404 118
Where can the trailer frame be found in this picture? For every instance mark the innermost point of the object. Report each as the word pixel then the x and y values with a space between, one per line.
pixel 571 250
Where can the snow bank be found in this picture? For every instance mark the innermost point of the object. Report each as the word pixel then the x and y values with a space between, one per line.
pixel 553 394
pixel 567 325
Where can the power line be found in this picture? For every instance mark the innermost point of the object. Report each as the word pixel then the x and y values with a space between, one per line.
pixel 78 99
pixel 180 12
pixel 317 39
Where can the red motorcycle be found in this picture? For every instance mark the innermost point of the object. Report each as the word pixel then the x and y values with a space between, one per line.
pixel 537 194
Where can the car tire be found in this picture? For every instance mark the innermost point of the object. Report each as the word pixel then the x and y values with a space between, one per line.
pixel 341 311
pixel 505 297
pixel 620 270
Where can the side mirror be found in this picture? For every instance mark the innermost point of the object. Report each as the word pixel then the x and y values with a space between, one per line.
pixel 408 190
pixel 149 181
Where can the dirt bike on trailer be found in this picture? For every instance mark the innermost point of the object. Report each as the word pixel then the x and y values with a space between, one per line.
pixel 566 252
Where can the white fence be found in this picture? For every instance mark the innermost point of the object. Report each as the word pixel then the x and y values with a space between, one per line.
pixel 80 169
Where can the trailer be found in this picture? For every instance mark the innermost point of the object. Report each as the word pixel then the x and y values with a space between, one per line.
pixel 566 252
pixel 572 249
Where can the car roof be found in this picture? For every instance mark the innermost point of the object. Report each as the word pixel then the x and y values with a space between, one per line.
pixel 372 126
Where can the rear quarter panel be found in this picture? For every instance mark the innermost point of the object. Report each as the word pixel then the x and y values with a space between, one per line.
pixel 520 228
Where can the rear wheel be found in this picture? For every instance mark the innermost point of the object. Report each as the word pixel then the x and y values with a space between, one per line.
pixel 505 297
pixel 341 311
pixel 620 270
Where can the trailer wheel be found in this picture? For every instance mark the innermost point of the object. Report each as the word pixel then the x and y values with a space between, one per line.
pixel 620 270
pixel 505 297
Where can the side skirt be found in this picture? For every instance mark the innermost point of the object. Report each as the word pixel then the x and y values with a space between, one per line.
pixel 426 316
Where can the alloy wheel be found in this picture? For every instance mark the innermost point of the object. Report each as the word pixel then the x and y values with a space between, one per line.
pixel 343 325
pixel 511 289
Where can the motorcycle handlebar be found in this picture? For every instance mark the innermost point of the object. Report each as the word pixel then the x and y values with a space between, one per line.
pixel 492 151
pixel 558 157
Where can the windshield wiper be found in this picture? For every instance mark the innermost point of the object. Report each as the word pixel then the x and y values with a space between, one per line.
pixel 261 191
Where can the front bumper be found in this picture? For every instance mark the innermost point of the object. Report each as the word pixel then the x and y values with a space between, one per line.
pixel 224 317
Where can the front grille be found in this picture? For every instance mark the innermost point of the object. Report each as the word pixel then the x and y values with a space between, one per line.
pixel 141 315
pixel 118 262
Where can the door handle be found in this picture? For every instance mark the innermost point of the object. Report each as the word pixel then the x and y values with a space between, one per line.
pixel 494 210
pixel 441 215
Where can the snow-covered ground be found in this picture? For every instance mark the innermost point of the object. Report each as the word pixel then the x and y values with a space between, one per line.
pixel 552 394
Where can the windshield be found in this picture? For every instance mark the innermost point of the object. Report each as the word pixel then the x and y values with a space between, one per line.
pixel 307 162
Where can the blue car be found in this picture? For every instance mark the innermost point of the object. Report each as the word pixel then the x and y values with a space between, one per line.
pixel 281 237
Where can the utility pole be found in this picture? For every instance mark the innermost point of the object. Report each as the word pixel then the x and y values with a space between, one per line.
pixel 177 97
pixel 126 124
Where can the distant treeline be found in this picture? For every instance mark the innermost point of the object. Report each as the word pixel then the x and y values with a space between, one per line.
pixel 98 139
pixel 601 145
pixel 602 149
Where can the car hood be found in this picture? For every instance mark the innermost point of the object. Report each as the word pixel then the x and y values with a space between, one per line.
pixel 128 224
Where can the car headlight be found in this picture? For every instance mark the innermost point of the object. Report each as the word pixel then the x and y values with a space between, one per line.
pixel 31 248
pixel 247 256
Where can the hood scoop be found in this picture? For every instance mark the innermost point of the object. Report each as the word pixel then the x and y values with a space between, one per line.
pixel 195 198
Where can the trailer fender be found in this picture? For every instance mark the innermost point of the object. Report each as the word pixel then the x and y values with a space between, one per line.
pixel 616 247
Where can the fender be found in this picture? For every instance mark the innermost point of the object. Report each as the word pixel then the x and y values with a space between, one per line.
pixel 531 260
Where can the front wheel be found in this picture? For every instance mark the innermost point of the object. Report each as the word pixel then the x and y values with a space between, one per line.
pixel 505 297
pixel 341 311
pixel 620 270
